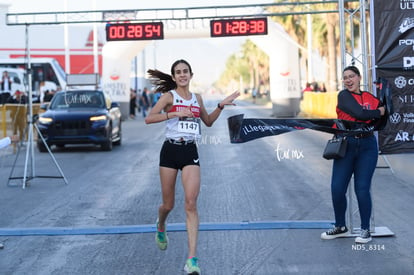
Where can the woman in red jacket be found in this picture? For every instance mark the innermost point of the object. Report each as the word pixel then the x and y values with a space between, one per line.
pixel 360 159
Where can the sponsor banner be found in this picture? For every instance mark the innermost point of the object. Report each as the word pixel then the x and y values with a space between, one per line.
pixel 246 129
pixel 398 135
pixel 394 34
pixel 394 61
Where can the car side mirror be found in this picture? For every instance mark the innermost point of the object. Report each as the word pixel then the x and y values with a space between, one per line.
pixel 44 106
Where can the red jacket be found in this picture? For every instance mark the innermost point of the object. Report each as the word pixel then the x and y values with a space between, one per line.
pixel 357 107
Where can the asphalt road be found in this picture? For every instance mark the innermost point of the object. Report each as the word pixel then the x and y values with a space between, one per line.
pixel 278 181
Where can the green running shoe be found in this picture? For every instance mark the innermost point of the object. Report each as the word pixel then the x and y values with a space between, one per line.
pixel 161 238
pixel 191 266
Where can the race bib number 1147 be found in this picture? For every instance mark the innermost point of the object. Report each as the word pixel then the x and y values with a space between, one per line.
pixel 189 125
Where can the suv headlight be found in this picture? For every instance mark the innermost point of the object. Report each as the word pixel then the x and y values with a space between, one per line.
pixel 97 118
pixel 45 120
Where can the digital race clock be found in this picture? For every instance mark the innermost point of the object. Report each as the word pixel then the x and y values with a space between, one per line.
pixel 238 27
pixel 134 31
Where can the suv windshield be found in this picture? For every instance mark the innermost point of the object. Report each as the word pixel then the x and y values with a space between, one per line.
pixel 78 99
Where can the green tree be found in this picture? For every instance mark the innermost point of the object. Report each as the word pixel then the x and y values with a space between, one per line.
pixel 258 62
pixel 236 67
pixel 251 65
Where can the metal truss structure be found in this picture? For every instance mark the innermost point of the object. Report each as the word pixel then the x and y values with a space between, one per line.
pixel 142 15
pixel 347 19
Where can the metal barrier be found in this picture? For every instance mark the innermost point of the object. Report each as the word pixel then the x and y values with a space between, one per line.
pixel 321 105
pixel 14 118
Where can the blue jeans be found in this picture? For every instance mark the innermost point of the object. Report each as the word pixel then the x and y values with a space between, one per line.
pixel 144 111
pixel 360 160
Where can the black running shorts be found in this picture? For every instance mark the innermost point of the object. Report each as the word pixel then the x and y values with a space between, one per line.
pixel 178 155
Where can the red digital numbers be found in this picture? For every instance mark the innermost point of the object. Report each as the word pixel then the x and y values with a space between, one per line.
pixel 238 27
pixel 134 31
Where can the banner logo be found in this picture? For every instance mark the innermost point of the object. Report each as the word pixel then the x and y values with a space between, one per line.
pixel 406 98
pixel 403 136
pixel 407 24
pixel 408 118
pixel 407 4
pixel 394 60
pixel 400 82
pixel 406 42
pixel 395 118
pixel 408 62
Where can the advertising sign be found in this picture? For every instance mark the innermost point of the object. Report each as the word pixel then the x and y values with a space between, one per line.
pixel 394 61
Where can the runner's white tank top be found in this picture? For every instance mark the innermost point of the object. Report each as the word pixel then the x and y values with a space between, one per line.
pixel 173 128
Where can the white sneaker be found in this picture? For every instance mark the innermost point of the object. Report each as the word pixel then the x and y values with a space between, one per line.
pixel 334 233
pixel 364 236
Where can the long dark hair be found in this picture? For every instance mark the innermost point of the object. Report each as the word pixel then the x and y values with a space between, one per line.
pixel 164 82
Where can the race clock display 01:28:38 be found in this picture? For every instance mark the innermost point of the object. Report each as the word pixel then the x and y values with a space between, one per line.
pixel 238 27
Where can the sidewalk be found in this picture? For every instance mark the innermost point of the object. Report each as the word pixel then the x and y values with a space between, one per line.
pixel 401 165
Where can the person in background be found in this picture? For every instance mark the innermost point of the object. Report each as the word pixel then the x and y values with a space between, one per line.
pixel 323 88
pixel 132 103
pixel 145 104
pixel 308 88
pixel 156 98
pixel 138 101
pixel 5 87
pixel 49 95
pixel 4 142
pixel 178 106
pixel 360 159
pixel 151 98
pixel 254 95
pixel 19 97
pixel 315 87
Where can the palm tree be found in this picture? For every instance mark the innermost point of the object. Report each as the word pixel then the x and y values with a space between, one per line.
pixel 325 28
pixel 236 68
pixel 258 63
pixel 251 64
pixel 326 34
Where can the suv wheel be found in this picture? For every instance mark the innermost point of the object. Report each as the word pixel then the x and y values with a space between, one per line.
pixel 42 148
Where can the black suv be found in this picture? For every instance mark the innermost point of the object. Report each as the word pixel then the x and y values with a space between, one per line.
pixel 80 117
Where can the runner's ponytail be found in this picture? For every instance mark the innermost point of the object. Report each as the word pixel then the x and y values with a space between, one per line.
pixel 163 82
